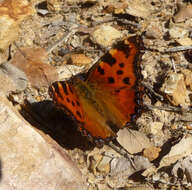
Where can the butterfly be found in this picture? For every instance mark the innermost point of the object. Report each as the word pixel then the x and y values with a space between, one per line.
pixel 106 100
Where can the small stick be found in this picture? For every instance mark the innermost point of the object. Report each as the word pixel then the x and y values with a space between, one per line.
pixel 173 65
pixel 124 21
pixel 64 39
pixel 178 48
pixel 150 88
pixel 122 152
pixel 169 108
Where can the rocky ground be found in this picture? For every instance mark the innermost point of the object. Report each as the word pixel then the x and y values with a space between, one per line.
pixel 45 41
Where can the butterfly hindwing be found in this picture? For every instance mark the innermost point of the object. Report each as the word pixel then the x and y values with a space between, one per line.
pixel 67 98
pixel 64 96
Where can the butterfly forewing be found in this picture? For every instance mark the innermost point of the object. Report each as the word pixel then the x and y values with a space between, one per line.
pixel 116 74
pixel 116 69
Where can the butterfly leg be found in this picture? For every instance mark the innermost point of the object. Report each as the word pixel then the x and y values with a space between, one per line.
pixel 122 152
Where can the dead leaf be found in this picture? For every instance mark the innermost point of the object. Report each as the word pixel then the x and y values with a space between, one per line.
pixel 188 77
pixel 180 150
pixel 78 60
pixel 133 141
pixel 67 71
pixel 180 34
pixel 151 153
pixel 122 167
pixel 54 5
pixel 186 41
pixel 184 13
pixel 117 8
pixel 185 166
pixel 139 8
pixel 154 31
pixel 174 87
pixel 101 35
pixel 33 63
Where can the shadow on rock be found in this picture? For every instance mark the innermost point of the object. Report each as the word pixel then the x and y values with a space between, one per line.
pixel 46 117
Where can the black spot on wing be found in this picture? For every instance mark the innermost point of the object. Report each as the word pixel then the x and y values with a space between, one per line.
pixel 73 104
pixel 121 65
pixel 111 80
pixel 108 59
pixel 77 102
pixel 56 88
pixel 79 114
pixel 119 72
pixel 126 80
pixel 64 86
pixel 101 70
pixel 121 46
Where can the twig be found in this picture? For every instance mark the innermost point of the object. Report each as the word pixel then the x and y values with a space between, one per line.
pixel 173 65
pixel 178 48
pixel 124 21
pixel 169 108
pixel 122 152
pixel 64 39
pixel 150 88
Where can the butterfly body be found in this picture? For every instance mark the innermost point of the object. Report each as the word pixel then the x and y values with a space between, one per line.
pixel 105 101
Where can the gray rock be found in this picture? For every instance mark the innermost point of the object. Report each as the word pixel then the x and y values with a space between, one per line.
pixel 13 78
pixel 30 160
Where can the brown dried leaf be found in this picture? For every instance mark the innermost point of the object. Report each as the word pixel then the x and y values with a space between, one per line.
pixel 185 166
pixel 121 167
pixel 151 153
pixel 139 8
pixel 133 141
pixel 184 41
pixel 102 37
pixel 78 60
pixel 32 62
pixel 180 150
pixel 184 13
pixel 188 77
pixel 175 89
pixel 117 8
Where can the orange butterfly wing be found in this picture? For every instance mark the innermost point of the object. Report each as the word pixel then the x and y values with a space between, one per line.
pixel 63 95
pixel 117 73
pixel 66 96
pixel 106 100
